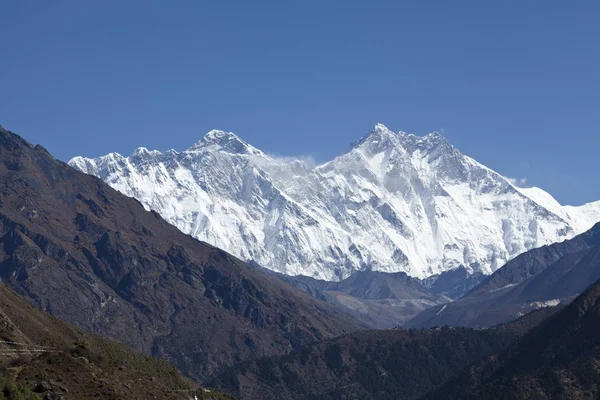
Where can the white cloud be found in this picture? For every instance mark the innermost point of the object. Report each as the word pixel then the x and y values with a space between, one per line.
pixel 308 159
pixel 520 182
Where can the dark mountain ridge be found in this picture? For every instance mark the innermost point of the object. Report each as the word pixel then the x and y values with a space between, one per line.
pixel 381 300
pixel 453 283
pixel 559 359
pixel 385 364
pixel 540 277
pixel 385 300
pixel 95 258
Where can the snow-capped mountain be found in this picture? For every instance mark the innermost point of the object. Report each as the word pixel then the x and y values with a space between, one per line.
pixel 392 202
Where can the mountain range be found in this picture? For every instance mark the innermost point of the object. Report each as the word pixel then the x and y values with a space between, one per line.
pixel 380 300
pixel 542 277
pixel 76 248
pixel 392 364
pixel 551 353
pixel 393 202
pixel 95 258
pixel 558 359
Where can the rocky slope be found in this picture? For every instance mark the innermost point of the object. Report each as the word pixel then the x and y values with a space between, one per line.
pixel 393 202
pixel 93 257
pixel 542 277
pixel 43 356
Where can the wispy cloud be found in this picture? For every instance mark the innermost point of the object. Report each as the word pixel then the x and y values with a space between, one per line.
pixel 308 159
pixel 520 182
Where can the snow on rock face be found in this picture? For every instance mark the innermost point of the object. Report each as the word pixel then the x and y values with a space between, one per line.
pixel 392 202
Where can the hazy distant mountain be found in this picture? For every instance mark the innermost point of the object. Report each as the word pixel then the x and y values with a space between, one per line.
pixel 453 283
pixel 393 202
pixel 379 299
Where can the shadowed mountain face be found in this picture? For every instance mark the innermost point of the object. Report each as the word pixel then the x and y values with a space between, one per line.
pixel 40 354
pixel 541 277
pixel 560 359
pixel 94 257
pixel 393 364
pixel 453 283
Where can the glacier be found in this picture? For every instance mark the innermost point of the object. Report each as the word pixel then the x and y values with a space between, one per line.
pixel 392 202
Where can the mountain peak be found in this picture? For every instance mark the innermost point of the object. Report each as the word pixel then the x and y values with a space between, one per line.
pixel 435 135
pixel 379 131
pixel 432 143
pixel 219 136
pixel 143 151
pixel 226 141
pixel 431 138
pixel 378 137
pixel 393 202
pixel 379 127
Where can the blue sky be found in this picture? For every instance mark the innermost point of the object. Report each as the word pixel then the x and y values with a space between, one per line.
pixel 514 84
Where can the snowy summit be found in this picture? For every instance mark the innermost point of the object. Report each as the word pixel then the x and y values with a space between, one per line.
pixel 392 202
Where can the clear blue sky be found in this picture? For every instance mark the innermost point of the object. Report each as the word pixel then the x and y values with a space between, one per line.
pixel 514 84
